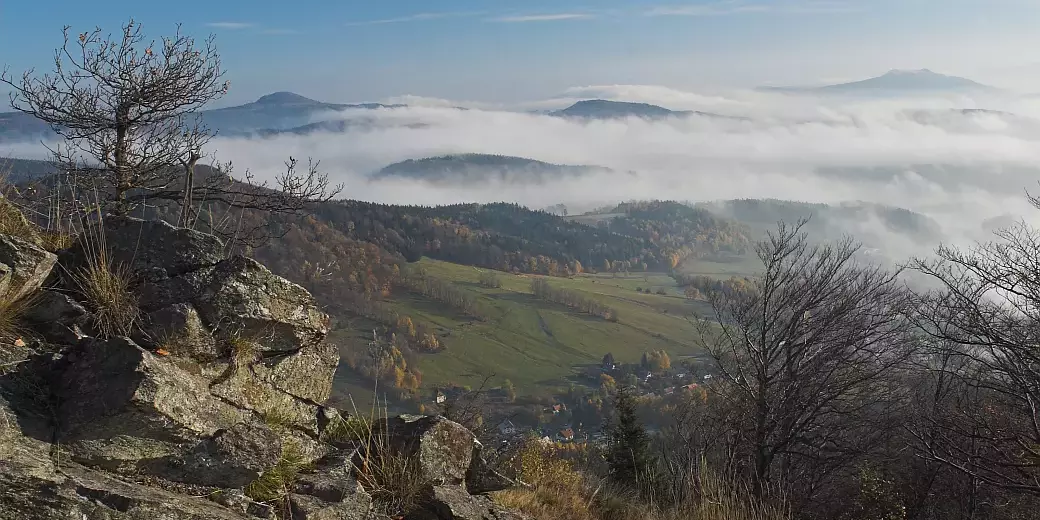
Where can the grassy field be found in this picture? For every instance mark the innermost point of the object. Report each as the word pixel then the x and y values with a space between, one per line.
pixel 539 345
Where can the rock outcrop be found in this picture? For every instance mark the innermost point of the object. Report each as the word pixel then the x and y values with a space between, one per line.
pixel 213 408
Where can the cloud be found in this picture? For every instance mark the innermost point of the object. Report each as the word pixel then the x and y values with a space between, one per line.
pixel 542 17
pixel 926 154
pixel 234 26
pixel 418 17
pixel 736 7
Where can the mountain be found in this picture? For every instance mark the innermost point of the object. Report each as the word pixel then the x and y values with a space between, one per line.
pixel 603 109
pixel 273 113
pixel 481 167
pixel 896 81
pixel 874 224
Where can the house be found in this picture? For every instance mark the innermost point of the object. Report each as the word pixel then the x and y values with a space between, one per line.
pixel 557 408
pixel 691 386
pixel 507 427
pixel 707 377
pixel 669 391
pixel 566 435
pixel 440 397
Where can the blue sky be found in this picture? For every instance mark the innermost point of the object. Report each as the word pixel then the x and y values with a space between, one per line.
pixel 510 51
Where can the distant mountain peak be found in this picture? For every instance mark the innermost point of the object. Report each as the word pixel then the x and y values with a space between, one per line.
pixel 911 72
pixel 286 98
pixel 898 80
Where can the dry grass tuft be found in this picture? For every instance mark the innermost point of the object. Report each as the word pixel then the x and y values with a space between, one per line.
pixel 558 491
pixel 55 241
pixel 395 481
pixel 107 290
pixel 106 287
pixel 12 328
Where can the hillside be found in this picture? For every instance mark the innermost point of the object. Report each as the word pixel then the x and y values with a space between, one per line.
pixel 537 345
pixel 594 109
pixel 270 113
pixel 482 167
pixel 676 231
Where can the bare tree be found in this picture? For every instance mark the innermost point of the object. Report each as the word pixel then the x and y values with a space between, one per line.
pixel 983 410
pixel 126 108
pixel 128 111
pixel 806 353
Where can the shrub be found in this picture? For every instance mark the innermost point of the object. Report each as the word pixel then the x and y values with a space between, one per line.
pixel 490 279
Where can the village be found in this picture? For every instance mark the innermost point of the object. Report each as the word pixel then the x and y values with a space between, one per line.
pixel 576 417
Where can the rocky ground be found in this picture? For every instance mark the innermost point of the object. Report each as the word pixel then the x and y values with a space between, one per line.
pixel 210 407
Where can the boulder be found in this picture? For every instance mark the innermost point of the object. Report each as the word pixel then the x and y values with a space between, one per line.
pixel 443 449
pixel 230 458
pixel 331 478
pixel 75 492
pixel 55 308
pixel 482 478
pixel 249 301
pixel 454 503
pixel 306 507
pixel 152 249
pixel 121 403
pixel 241 299
pixel 179 330
pixel 27 266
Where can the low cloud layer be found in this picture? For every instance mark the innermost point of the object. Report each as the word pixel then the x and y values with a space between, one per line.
pixel 945 157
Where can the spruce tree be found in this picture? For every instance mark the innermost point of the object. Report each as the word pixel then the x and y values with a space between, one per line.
pixel 628 454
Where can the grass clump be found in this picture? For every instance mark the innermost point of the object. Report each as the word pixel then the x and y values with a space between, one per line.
pixel 12 327
pixel 395 481
pixel 107 290
pixel 275 484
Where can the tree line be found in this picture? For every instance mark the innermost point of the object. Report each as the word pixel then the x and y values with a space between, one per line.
pixel 842 393
pixel 544 290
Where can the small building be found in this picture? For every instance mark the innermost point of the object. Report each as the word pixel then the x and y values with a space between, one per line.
pixel 440 398
pixel 566 435
pixel 507 427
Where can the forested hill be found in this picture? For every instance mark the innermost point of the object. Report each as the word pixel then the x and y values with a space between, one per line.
pixel 674 230
pixel 828 221
pixel 480 167
pixel 499 236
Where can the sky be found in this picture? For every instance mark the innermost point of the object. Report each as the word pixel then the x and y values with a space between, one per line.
pixel 494 51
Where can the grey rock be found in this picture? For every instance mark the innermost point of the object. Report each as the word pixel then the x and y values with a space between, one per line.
pixel 179 329
pixel 28 266
pixel 56 308
pixel 241 299
pixel 482 478
pixel 231 458
pixel 443 449
pixel 306 507
pixel 41 492
pixel 6 274
pixel 248 301
pixel 332 478
pixel 153 249
pixel 123 403
pixel 454 503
